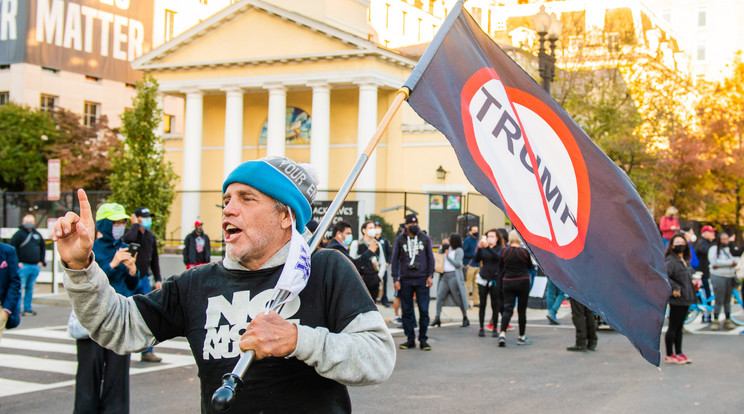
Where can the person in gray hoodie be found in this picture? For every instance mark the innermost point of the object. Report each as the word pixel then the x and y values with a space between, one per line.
pixel 722 263
pixel 329 336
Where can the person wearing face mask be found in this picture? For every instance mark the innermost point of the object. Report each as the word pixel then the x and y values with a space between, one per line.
pixel 369 266
pixel 679 270
pixel 102 378
pixel 451 287
pixel 342 240
pixel 385 254
pixel 147 259
pixel 722 260
pixel 196 249
pixel 491 265
pixel 31 250
pixel 469 246
pixel 413 270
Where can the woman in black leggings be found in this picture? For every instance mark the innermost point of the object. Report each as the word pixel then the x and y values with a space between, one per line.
pixel 516 286
pixel 683 295
pixel 489 257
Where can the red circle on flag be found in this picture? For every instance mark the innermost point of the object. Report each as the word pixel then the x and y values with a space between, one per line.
pixel 552 237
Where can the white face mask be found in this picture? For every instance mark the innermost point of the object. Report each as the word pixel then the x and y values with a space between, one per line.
pixel 117 232
pixel 378 231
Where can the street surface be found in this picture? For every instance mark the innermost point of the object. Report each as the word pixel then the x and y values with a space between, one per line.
pixel 463 373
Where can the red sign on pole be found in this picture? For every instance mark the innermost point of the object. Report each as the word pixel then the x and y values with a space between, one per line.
pixel 53 176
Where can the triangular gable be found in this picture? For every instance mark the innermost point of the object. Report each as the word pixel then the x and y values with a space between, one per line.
pixel 246 32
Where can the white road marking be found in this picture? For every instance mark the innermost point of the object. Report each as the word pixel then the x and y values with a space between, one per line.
pixel 9 358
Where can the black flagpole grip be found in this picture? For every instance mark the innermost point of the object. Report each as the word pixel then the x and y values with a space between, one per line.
pixel 224 397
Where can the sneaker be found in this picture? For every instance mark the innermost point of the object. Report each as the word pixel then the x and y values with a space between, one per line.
pixel 510 327
pixel 502 340
pixel 683 359
pixel 489 326
pixel 425 346
pixel 523 341
pixel 481 333
pixel 29 313
pixel 576 348
pixel 150 357
pixel 715 326
pixel 397 319
pixel 671 360
pixel 728 325
pixel 552 319
pixel 407 345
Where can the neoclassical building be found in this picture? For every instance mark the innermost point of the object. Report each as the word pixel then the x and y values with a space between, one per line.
pixel 299 79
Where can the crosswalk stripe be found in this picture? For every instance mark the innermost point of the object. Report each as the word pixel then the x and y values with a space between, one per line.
pixel 12 342
pixel 38 364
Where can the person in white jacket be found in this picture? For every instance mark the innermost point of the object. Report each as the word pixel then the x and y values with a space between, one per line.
pixel 722 264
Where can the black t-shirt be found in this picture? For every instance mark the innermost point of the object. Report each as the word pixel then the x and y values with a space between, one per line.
pixel 517 262
pixel 211 306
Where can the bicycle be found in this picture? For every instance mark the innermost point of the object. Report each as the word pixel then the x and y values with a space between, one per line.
pixel 706 305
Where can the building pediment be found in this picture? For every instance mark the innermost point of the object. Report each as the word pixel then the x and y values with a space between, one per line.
pixel 252 33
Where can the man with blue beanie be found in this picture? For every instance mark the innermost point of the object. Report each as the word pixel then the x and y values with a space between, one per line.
pixel 329 336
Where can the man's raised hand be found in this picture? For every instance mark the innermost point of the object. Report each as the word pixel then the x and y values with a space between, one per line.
pixel 75 234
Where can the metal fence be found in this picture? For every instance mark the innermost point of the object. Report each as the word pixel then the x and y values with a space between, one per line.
pixel 440 213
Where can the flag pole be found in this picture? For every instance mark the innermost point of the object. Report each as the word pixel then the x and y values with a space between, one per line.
pixel 325 223
pixel 224 396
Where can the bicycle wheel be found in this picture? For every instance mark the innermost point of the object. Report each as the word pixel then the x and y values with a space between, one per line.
pixel 737 309
pixel 692 314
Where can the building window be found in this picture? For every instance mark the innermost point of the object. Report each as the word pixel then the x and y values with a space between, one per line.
pixel 48 102
pixel 92 78
pixel 613 42
pixel 702 18
pixel 4 98
pixel 666 15
pixel 4 67
pixel 203 1
pixel 170 17
pixel 431 6
pixel 90 113
pixel 49 70
pixel 168 123
pixel 404 22
pixel 700 56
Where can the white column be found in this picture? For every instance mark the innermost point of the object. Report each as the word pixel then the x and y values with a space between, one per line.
pixel 192 159
pixel 233 129
pixel 366 126
pixel 277 123
pixel 320 132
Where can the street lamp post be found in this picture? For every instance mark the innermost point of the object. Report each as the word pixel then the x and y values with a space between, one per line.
pixel 549 28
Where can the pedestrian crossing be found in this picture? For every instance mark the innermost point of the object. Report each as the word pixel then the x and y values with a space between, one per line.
pixel 39 359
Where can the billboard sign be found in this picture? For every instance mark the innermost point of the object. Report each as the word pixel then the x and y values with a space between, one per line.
pixel 98 38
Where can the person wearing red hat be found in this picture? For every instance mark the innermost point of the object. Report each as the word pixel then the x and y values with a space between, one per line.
pixel 708 236
pixel 196 247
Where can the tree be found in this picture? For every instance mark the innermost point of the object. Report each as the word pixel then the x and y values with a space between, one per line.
pixel 25 135
pixel 721 120
pixel 141 177
pixel 83 151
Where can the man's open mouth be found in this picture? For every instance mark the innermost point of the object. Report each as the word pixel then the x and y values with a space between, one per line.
pixel 231 232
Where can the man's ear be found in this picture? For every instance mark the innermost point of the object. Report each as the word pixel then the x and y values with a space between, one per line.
pixel 286 219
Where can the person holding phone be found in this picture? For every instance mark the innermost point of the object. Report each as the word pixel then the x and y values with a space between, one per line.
pixel 143 243
pixel 102 379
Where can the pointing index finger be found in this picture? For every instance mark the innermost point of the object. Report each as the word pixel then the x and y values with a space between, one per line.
pixel 85 213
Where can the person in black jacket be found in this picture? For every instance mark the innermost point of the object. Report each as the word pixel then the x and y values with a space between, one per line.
pixel 147 259
pixel 683 295
pixel 516 286
pixel 10 289
pixel 368 268
pixel 341 241
pixel 196 249
pixel 707 239
pixel 31 250
pixel 386 252
pixel 491 265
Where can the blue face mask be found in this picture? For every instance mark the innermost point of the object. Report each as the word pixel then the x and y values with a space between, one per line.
pixel 348 239
pixel 146 222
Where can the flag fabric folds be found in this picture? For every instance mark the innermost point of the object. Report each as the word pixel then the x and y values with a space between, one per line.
pixel 578 213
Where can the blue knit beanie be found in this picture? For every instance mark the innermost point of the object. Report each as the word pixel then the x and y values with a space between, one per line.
pixel 281 179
